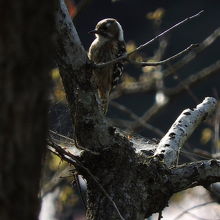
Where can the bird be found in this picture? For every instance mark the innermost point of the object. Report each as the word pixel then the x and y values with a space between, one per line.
pixel 108 45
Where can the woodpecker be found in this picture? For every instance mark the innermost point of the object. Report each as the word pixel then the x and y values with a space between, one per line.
pixel 108 45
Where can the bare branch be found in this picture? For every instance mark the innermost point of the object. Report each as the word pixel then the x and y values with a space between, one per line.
pixel 189 57
pixel 181 130
pixel 64 142
pixel 193 79
pixel 194 207
pixel 188 49
pixel 194 174
pixel 126 56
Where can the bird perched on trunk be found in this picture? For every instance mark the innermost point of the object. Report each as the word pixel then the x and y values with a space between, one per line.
pixel 108 45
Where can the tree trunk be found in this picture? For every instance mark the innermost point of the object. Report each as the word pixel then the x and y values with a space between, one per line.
pixel 26 47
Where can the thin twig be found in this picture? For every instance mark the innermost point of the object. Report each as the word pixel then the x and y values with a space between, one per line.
pixel 126 56
pixel 165 32
pixel 168 59
pixel 73 160
pixel 194 207
pixel 61 136
pixel 198 217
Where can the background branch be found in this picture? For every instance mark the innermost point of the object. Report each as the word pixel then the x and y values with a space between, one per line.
pixel 193 79
pixel 193 54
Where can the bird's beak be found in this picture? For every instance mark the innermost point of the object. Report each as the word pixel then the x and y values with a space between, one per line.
pixel 93 32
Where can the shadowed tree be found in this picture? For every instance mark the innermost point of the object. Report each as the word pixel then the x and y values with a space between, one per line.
pixel 26 49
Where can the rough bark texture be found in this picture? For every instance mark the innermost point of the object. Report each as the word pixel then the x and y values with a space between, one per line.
pixel 27 29
pixel 139 183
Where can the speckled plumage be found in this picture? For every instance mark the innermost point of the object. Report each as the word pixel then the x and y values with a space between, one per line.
pixel 108 45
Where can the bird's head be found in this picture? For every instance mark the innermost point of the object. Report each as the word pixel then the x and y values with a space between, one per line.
pixel 109 28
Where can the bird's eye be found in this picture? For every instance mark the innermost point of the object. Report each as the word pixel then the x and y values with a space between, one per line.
pixel 106 26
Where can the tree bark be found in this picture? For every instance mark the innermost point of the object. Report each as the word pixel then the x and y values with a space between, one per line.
pixel 26 48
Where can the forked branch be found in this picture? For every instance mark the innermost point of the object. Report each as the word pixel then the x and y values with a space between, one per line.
pixel 188 49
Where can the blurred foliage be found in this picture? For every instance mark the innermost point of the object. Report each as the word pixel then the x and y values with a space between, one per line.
pixel 55 163
pixel 206 136
pixel 218 145
pixel 127 79
pixel 131 46
pixel 147 69
pixel 67 195
pixel 58 93
pixel 156 15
